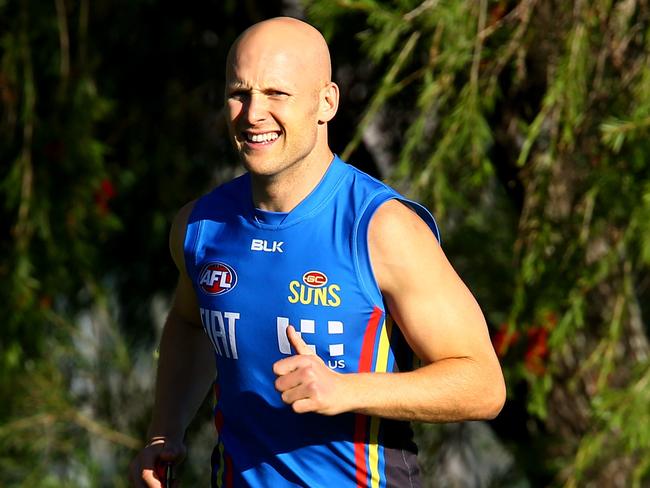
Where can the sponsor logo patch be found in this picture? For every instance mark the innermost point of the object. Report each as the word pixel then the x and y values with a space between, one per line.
pixel 331 348
pixel 315 279
pixel 217 278
pixel 221 328
pixel 266 246
pixel 315 289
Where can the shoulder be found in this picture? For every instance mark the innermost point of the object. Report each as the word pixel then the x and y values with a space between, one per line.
pixel 218 204
pixel 394 212
pixel 223 200
pixel 363 180
pixel 401 245
pixel 372 193
pixel 362 193
pixel 177 234
pixel 395 223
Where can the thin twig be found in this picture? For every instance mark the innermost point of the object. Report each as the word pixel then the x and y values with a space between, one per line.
pixel 384 91
pixel 107 433
pixel 478 46
pixel 64 40
pixel 524 12
pixel 424 6
pixel 518 12
pixel 23 226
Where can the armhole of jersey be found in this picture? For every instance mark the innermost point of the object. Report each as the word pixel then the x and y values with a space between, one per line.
pixel 362 262
pixel 192 231
pixel 425 215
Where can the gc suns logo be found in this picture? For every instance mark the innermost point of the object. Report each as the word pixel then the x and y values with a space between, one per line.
pixel 314 290
pixel 217 278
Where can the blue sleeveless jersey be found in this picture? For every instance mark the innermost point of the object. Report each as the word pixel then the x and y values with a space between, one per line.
pixel 255 273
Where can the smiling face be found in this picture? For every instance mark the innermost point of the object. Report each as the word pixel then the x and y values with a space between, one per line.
pixel 279 96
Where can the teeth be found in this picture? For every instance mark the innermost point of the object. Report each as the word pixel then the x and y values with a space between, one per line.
pixel 266 137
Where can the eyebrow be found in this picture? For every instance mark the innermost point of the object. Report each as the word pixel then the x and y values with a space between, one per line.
pixel 283 87
pixel 236 84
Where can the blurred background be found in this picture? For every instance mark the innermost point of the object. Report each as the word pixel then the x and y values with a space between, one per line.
pixel 523 125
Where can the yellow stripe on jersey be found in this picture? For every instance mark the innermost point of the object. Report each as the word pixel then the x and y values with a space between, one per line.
pixel 222 463
pixel 380 367
pixel 373 452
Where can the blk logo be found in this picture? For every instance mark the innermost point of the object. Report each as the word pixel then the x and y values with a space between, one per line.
pixel 266 246
pixel 217 278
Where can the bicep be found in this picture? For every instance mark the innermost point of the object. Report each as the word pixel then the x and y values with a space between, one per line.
pixel 434 308
pixel 184 304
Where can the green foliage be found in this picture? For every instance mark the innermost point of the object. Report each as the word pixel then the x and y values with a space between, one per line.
pixel 50 188
pixel 540 109
pixel 90 177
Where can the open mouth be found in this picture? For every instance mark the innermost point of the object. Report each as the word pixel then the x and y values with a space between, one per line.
pixel 263 138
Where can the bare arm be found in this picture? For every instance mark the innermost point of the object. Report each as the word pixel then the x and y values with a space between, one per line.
pixel 186 369
pixel 461 378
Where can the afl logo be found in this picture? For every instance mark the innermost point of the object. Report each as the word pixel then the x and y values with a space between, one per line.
pixel 217 278
pixel 315 279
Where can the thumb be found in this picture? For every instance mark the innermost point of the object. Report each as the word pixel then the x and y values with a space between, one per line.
pixel 296 341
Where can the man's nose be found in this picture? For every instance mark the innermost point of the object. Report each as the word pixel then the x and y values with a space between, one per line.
pixel 255 109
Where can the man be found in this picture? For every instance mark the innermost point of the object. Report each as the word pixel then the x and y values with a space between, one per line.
pixel 291 276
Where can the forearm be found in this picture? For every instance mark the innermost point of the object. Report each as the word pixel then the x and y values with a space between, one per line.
pixel 448 390
pixel 186 369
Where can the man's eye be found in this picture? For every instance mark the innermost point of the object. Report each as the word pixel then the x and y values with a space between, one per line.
pixel 238 95
pixel 278 94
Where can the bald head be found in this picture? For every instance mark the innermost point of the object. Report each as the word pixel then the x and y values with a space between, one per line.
pixel 279 99
pixel 288 38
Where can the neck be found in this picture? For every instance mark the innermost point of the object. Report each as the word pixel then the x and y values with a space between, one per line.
pixel 284 191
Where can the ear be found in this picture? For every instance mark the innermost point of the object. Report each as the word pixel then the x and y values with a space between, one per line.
pixel 329 102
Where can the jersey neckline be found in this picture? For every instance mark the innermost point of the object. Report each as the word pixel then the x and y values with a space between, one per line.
pixel 269 218
pixel 312 203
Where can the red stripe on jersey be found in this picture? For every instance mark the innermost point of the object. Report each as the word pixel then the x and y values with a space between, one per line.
pixel 365 361
pixel 361 421
pixel 229 483
pixel 360 427
pixel 218 420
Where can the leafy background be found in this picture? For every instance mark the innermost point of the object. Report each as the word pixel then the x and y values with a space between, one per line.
pixel 523 125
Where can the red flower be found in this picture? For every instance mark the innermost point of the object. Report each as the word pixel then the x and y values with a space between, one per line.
pixel 503 339
pixel 104 194
pixel 537 352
